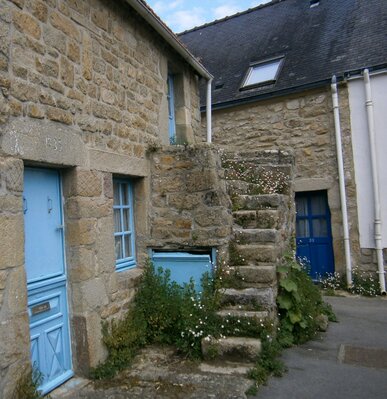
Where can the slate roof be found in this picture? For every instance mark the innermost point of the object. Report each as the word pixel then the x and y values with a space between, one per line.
pixel 334 37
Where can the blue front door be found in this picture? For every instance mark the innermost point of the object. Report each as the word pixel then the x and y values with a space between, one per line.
pixel 313 232
pixel 46 276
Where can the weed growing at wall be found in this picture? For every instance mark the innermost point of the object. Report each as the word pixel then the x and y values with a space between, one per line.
pixel 166 313
pixel 162 312
pixel 27 386
pixel 364 283
pixel 300 304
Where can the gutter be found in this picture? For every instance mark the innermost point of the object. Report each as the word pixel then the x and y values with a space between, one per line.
pixel 375 181
pixel 343 194
pixel 353 74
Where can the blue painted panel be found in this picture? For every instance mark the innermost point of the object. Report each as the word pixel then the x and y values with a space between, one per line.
pixel 313 232
pixel 50 344
pixel 184 266
pixel 43 225
pixel 46 277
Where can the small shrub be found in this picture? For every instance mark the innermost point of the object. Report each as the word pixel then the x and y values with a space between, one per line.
pixel 162 312
pixel 27 386
pixel 299 302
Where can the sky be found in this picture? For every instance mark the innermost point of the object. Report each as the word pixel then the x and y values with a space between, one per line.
pixel 181 15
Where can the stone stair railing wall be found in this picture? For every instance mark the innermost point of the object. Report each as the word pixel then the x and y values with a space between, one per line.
pixel 260 185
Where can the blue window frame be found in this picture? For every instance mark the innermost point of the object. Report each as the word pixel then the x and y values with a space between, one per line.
pixel 124 234
pixel 171 110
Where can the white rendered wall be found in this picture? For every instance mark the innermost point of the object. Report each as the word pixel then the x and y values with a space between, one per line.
pixel 362 157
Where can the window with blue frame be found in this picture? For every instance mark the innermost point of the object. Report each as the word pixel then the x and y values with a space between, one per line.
pixel 124 234
pixel 171 110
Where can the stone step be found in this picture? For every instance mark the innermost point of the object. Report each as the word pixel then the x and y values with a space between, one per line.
pixel 251 236
pixel 260 157
pixel 236 349
pixel 258 202
pixel 253 253
pixel 243 314
pixel 225 367
pixel 260 219
pixel 246 219
pixel 253 274
pixel 249 298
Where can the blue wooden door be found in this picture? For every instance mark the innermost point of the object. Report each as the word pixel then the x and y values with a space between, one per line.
pixel 46 276
pixel 313 232
pixel 184 266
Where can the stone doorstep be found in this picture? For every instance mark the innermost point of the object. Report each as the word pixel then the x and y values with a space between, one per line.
pixel 159 372
pixel 68 389
pixel 256 274
pixel 235 349
pixel 251 236
pixel 249 296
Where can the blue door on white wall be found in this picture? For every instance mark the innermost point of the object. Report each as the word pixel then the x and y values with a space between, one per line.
pixel 46 277
pixel 313 232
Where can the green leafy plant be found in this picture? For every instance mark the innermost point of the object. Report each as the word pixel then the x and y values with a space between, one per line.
pixel 28 384
pixel 299 302
pixel 162 312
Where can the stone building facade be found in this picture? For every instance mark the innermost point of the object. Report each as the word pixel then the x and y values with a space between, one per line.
pixel 84 93
pixel 272 90
pixel 303 124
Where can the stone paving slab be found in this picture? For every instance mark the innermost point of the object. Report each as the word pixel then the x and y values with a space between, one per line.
pixel 158 372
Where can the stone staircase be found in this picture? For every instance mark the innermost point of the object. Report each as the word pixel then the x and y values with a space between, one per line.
pixel 263 225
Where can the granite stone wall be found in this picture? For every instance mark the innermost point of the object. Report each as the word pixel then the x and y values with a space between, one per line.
pixel 83 90
pixel 190 205
pixel 302 123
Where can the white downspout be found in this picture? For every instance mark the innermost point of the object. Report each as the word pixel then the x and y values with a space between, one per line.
pixel 209 111
pixel 375 181
pixel 343 196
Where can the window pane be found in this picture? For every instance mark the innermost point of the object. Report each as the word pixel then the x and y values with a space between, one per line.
pixel 125 194
pixel 128 246
pixel 116 189
pixel 118 247
pixel 318 205
pixel 126 219
pixel 117 221
pixel 302 206
pixel 320 228
pixel 302 228
pixel 262 73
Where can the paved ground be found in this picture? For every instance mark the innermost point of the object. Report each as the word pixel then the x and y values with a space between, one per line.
pixel 349 361
pixel 334 365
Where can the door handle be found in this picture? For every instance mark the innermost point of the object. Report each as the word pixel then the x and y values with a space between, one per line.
pixel 60 227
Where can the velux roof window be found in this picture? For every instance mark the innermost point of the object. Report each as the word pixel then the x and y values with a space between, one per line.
pixel 262 74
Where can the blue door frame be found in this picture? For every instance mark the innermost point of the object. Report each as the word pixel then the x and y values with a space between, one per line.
pixel 46 277
pixel 314 233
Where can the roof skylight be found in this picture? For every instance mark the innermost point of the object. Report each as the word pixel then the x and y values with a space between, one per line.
pixel 265 72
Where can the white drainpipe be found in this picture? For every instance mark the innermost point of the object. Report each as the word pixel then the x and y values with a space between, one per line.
pixel 209 111
pixel 343 196
pixel 375 180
